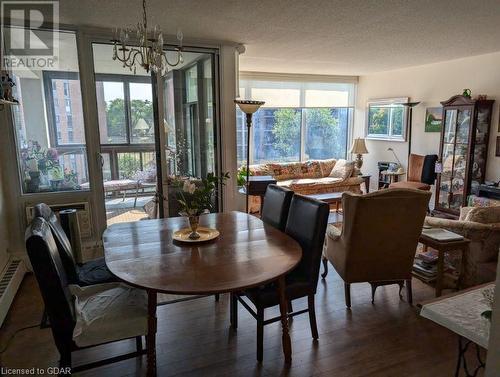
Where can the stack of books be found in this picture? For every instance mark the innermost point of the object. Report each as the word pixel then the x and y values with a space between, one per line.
pixel 425 265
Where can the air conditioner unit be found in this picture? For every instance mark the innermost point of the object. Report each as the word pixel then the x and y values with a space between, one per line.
pixel 82 210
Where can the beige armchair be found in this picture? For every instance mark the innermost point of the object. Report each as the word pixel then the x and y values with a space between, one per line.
pixel 482 227
pixel 378 239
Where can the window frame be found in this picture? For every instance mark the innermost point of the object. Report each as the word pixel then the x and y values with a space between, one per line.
pixel 126 80
pixel 389 135
pixel 303 130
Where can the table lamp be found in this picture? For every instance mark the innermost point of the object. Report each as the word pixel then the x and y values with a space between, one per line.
pixel 400 169
pixel 249 108
pixel 359 149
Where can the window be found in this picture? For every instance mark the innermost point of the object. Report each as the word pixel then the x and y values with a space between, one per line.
pixel 125 109
pixel 301 120
pixel 386 119
pixel 49 129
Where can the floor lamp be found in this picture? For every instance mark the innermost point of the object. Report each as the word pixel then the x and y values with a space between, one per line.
pixel 249 108
pixel 410 106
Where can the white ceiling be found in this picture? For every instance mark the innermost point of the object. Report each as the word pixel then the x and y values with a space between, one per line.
pixel 317 36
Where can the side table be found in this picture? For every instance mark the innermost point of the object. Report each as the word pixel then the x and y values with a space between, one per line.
pixel 442 247
pixel 257 186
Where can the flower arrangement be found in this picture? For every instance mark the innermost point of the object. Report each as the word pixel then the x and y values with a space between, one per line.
pixel 196 198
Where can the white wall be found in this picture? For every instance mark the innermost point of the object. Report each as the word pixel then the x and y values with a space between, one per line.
pixel 4 239
pixel 429 84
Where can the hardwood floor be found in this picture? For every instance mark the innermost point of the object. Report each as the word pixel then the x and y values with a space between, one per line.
pixel 194 338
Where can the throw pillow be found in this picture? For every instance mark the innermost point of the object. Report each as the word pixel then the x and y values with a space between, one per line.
pixel 342 169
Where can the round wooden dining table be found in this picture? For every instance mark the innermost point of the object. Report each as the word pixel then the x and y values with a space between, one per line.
pixel 247 253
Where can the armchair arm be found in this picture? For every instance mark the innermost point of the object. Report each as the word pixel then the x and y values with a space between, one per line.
pixel 333 232
pixel 469 229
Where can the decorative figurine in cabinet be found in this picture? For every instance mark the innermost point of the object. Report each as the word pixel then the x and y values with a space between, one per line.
pixel 463 152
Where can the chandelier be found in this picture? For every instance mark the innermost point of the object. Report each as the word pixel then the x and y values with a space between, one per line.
pixel 149 54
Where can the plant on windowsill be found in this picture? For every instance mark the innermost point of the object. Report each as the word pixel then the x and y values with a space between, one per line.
pixel 198 199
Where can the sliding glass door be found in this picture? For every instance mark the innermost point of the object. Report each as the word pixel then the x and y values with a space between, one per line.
pixel 128 141
pixel 189 123
pixel 127 138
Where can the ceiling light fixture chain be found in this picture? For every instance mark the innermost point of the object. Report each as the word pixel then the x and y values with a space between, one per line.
pixel 150 53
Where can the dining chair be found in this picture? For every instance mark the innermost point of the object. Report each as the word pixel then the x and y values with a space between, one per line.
pixel 276 206
pixel 88 273
pixel 91 316
pixel 306 224
pixel 378 239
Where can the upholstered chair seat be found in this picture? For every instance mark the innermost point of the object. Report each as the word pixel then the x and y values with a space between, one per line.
pixel 107 312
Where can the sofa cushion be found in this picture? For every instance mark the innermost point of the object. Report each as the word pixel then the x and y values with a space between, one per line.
pixel 290 170
pixel 309 182
pixel 326 166
pixel 342 169
pixel 483 215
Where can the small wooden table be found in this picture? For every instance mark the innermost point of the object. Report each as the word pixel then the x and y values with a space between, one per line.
pixel 443 247
pixel 246 254
pixel 330 198
pixel 393 176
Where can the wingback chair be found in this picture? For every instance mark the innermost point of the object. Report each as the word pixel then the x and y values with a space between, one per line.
pixel 481 225
pixel 421 174
pixel 378 239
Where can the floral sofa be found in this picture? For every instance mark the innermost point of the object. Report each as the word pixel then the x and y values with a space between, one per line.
pixel 309 177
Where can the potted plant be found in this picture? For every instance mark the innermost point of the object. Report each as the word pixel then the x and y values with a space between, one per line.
pixel 197 199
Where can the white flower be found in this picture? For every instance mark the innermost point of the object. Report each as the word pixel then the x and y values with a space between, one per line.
pixel 189 187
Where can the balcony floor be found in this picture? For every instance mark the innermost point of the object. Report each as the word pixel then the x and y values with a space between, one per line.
pixel 121 211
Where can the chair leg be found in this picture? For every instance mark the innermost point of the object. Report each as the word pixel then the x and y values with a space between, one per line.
pixel 233 311
pixel 65 360
pixel 374 288
pixel 409 294
pixel 138 343
pixel 347 291
pixel 312 316
pixel 44 322
pixel 401 285
pixel 325 267
pixel 260 334
pixel 290 307
pixel 217 297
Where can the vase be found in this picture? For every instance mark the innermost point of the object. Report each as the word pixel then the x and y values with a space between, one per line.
pixel 194 221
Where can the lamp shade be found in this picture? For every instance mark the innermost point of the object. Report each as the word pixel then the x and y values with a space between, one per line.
pixel 359 146
pixel 248 106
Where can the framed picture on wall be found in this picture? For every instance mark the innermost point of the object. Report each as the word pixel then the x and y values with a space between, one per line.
pixel 386 119
pixel 498 147
pixel 433 119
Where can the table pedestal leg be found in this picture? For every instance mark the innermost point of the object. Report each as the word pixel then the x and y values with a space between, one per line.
pixel 151 336
pixel 440 272
pixel 287 343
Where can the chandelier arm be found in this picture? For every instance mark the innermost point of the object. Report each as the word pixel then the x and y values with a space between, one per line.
pixel 179 55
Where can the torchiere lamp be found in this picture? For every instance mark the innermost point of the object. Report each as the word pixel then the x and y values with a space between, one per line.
pixel 249 108
pixel 359 149
pixel 410 105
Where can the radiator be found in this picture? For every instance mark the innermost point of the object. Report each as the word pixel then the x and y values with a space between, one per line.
pixel 10 280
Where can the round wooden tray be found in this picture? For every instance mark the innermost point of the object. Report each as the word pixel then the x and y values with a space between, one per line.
pixel 206 234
